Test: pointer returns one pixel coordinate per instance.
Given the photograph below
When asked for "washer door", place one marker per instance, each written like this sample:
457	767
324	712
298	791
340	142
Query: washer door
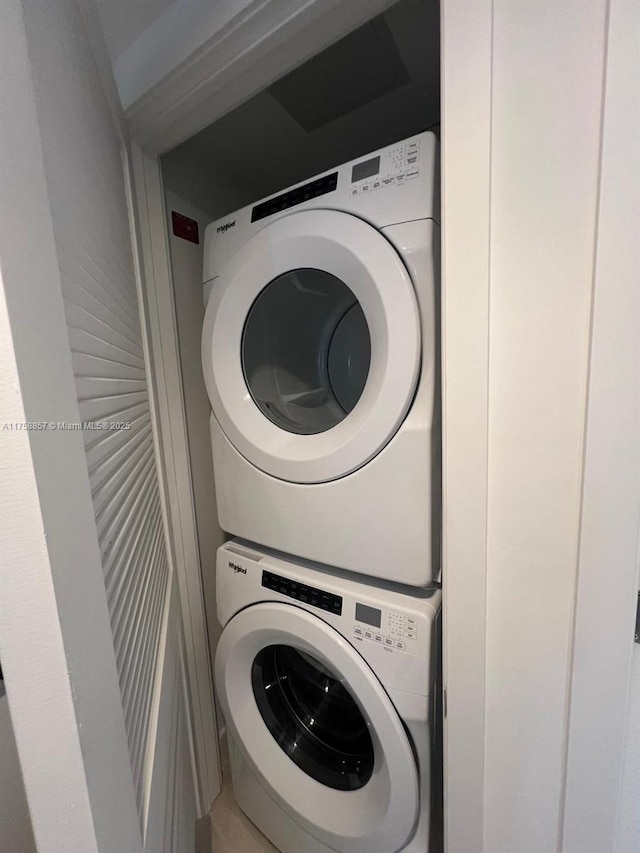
311	346
317	728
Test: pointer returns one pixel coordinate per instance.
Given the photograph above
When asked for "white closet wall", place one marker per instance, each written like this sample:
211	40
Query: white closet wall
186	265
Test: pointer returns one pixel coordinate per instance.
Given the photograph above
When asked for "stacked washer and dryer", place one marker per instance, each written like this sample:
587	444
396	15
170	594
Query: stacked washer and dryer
320	359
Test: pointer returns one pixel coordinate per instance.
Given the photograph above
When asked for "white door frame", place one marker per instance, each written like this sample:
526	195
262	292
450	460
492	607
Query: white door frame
466	49
158	320
608	567
254	52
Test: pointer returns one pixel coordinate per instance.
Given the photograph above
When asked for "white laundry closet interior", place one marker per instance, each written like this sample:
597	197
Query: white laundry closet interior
376	86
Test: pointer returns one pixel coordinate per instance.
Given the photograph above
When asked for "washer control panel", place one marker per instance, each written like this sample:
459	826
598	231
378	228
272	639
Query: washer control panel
391	168
388	629
319	598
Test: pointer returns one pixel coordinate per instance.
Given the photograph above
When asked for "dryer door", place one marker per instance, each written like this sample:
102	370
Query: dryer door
311	346
317	728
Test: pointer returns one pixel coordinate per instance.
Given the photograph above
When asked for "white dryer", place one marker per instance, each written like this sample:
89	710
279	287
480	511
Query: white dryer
320	360
327	689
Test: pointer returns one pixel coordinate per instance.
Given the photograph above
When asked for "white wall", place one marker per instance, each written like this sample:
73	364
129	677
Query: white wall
186	265
603	754
16	835
211	185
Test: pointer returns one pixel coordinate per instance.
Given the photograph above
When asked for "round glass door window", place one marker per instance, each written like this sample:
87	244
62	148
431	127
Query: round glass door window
312	717
306	351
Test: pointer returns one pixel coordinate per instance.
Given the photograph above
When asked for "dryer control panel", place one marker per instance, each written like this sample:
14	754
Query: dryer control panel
408	170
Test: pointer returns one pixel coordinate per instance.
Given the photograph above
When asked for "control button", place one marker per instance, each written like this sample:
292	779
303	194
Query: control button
400	644
378	638
365	188
358	631
412	174
411	623
355	190
376	185
388	641
413	147
388	180
413	158
368	635
400	178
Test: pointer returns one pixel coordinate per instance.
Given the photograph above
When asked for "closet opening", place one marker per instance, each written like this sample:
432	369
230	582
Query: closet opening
374	87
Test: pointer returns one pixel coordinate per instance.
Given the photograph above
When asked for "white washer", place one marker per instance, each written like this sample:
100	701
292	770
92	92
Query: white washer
319	355
327	688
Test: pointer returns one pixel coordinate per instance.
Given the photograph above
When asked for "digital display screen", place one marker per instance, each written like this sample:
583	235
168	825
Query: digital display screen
365	170
368	615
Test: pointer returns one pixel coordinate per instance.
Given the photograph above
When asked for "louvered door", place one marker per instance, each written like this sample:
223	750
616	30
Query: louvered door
85	176
105	339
